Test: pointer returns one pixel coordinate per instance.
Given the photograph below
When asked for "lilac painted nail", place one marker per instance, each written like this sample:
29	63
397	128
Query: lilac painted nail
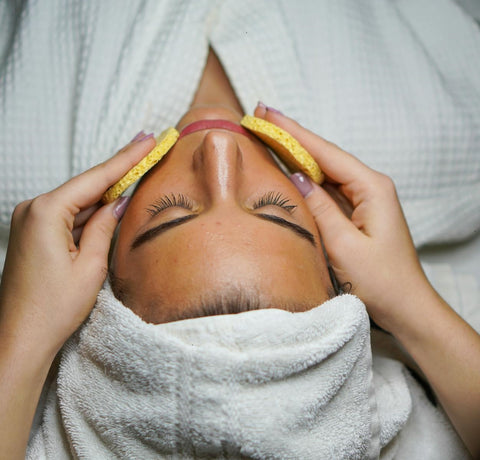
271	109
261	109
302	182
121	206
145	137
138	136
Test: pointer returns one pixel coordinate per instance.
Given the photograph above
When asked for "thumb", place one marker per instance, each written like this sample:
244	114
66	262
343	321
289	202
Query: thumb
334	227
97	235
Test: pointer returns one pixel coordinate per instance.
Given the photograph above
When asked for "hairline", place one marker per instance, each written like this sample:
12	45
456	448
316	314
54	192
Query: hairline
231	300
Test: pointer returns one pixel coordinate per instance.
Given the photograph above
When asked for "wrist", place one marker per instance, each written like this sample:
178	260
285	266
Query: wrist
420	315
398	300
24	367
26	348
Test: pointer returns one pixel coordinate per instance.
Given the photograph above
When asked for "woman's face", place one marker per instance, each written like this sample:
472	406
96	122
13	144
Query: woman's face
217	223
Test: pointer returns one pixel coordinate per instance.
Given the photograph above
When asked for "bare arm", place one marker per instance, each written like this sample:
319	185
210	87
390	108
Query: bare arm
372	248
24	368
447	349
56	263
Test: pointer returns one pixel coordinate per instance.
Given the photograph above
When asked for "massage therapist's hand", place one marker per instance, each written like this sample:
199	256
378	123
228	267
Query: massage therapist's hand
57	253
56	264
371	247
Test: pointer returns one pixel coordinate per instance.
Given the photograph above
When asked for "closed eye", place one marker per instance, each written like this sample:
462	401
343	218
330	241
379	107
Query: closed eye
274	199
170	201
181	201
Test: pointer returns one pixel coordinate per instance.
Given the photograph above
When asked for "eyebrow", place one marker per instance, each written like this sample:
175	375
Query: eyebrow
157	230
303	232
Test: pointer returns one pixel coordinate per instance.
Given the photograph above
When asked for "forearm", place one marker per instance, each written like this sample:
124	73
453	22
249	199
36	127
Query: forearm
369	245
23	370
447	350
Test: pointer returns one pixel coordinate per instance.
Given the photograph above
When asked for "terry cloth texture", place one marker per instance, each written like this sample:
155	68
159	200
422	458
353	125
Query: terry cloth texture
394	82
260	384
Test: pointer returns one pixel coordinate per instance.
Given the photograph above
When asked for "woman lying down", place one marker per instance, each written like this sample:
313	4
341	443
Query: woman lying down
219	332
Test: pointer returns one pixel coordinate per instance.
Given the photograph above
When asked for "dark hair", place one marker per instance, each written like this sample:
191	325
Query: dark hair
223	301
338	288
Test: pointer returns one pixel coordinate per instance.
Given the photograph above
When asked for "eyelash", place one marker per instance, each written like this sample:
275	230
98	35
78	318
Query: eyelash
274	199
170	201
181	201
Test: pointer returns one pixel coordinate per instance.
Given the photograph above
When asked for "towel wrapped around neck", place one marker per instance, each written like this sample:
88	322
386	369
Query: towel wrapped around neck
259	384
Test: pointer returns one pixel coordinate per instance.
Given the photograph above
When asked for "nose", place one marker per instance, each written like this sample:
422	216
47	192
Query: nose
219	161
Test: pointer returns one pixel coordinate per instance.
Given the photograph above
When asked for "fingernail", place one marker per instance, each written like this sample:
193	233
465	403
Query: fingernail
138	136
265	107
145	137
271	109
302	182
260	109
261	105
121	206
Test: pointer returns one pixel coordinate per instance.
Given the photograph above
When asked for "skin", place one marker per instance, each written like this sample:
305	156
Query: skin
227	248
68	235
370	246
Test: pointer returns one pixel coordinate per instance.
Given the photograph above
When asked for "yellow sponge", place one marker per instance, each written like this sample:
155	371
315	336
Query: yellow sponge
295	157
165	141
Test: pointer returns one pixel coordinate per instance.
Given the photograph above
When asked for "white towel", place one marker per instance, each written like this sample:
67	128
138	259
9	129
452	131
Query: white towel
260	384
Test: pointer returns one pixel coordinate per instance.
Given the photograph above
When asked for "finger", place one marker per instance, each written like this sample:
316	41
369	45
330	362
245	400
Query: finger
337	164
87	188
76	234
342	201
84	215
330	219
97	235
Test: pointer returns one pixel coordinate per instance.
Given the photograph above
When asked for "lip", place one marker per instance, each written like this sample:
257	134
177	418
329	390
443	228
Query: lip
200	125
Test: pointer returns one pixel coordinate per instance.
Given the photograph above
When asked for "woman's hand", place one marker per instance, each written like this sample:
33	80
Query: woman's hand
57	254
366	238
369	245
56	263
